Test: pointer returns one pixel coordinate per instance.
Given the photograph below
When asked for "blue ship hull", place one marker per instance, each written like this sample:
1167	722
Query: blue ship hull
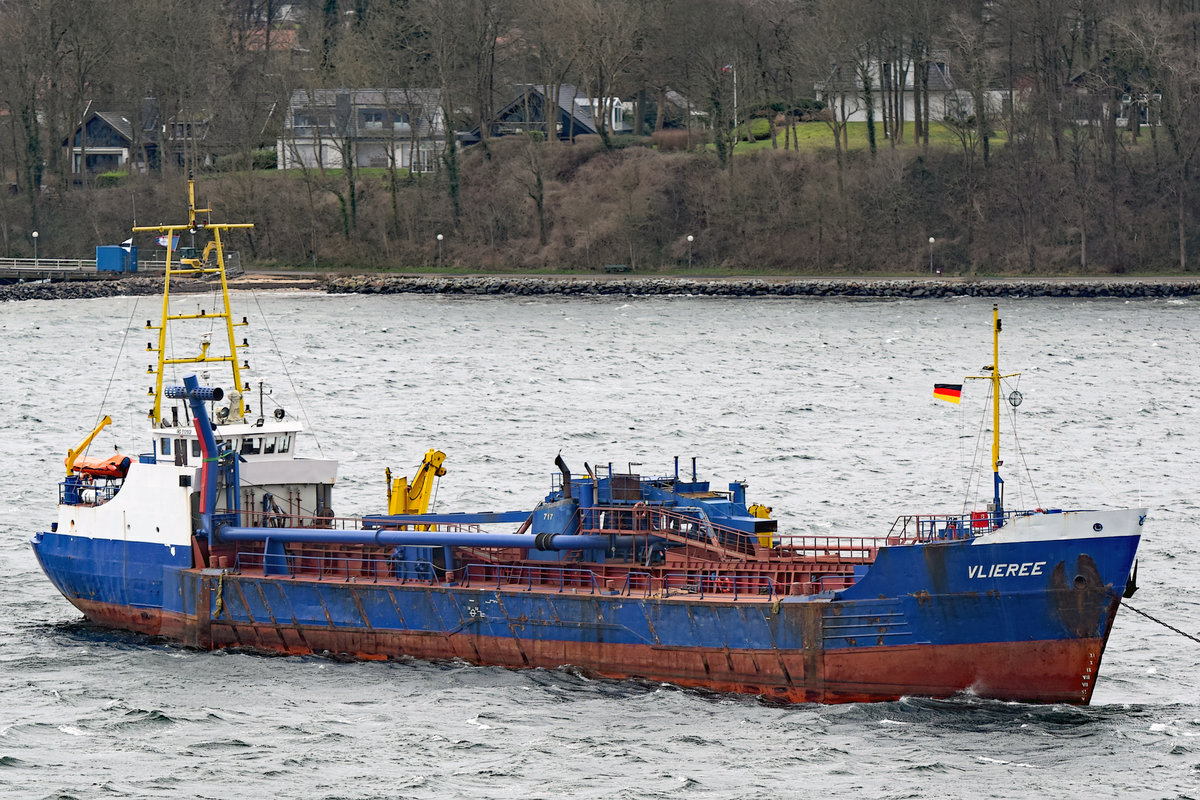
926	619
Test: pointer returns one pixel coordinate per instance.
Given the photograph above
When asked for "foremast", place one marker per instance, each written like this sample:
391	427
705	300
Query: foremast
206	264
994	375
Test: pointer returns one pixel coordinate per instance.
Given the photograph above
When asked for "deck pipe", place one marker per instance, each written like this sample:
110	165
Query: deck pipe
197	396
536	541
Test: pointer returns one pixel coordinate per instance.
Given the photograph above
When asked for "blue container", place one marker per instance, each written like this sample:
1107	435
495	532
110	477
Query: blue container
115	258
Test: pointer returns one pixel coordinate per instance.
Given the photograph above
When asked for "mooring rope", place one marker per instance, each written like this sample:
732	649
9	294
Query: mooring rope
221	597
1160	622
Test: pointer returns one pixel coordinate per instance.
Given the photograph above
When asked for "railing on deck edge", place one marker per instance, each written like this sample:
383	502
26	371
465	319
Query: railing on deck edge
635	583
504	575
327	566
345	569
282	519
87	494
663	522
942	527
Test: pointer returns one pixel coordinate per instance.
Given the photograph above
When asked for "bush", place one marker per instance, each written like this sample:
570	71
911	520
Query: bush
676	139
107	180
760	128
622	140
262	158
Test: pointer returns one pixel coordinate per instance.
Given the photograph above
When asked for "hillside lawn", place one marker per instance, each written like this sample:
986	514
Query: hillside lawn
817	136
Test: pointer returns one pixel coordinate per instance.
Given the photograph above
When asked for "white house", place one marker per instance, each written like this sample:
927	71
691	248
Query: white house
400	128
843	89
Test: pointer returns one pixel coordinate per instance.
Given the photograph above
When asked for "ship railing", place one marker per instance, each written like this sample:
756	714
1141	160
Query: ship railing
716	583
252	518
688	526
831	549
560	578
283	519
78	493
342	567
943	527
640	582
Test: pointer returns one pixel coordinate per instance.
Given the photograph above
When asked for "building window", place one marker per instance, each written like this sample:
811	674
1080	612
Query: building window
372	119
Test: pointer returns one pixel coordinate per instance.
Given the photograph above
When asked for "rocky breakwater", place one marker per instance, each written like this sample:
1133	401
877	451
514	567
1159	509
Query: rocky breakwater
75	290
144	285
758	287
526	286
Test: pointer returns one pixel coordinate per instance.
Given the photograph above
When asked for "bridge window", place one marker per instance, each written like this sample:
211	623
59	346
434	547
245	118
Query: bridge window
251	446
166	446
284	443
269	445
196	448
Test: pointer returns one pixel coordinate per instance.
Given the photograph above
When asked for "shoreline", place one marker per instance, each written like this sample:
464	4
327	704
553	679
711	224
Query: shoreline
527	286
914	288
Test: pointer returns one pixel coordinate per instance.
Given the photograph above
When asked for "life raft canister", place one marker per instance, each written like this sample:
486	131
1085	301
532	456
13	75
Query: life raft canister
114	466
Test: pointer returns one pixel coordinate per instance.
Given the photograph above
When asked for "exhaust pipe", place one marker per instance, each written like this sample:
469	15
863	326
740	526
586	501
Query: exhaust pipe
562	465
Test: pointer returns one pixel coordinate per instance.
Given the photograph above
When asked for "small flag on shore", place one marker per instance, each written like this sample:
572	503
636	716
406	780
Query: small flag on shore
950	392
162	241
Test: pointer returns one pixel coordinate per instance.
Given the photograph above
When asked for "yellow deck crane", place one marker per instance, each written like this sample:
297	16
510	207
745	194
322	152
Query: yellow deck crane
413	498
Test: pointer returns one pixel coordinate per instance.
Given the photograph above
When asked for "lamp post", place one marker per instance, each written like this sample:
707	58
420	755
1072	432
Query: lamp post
690	240
439	258
930	255
35	255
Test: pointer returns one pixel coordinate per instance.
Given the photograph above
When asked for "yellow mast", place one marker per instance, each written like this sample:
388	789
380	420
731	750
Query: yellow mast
994	375
192	267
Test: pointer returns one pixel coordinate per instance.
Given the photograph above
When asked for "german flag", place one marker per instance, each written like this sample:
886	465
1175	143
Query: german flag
950	392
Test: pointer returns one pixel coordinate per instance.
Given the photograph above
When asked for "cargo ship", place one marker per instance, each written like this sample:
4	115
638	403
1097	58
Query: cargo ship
220	535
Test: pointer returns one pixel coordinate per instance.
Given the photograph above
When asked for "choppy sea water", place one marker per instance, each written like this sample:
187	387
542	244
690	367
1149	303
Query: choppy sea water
824	406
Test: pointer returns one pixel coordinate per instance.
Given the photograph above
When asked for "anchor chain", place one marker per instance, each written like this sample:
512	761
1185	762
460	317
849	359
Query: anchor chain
1160	622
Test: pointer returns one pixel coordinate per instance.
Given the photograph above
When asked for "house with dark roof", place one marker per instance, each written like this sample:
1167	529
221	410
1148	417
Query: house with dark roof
103	142
400	128
572	111
112	140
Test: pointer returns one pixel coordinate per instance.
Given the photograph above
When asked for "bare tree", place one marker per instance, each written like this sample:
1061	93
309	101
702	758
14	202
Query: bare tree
1171	63
607	37
550	48
831	47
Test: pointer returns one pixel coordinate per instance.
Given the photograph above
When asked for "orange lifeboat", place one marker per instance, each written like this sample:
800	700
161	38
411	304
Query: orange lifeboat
114	466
